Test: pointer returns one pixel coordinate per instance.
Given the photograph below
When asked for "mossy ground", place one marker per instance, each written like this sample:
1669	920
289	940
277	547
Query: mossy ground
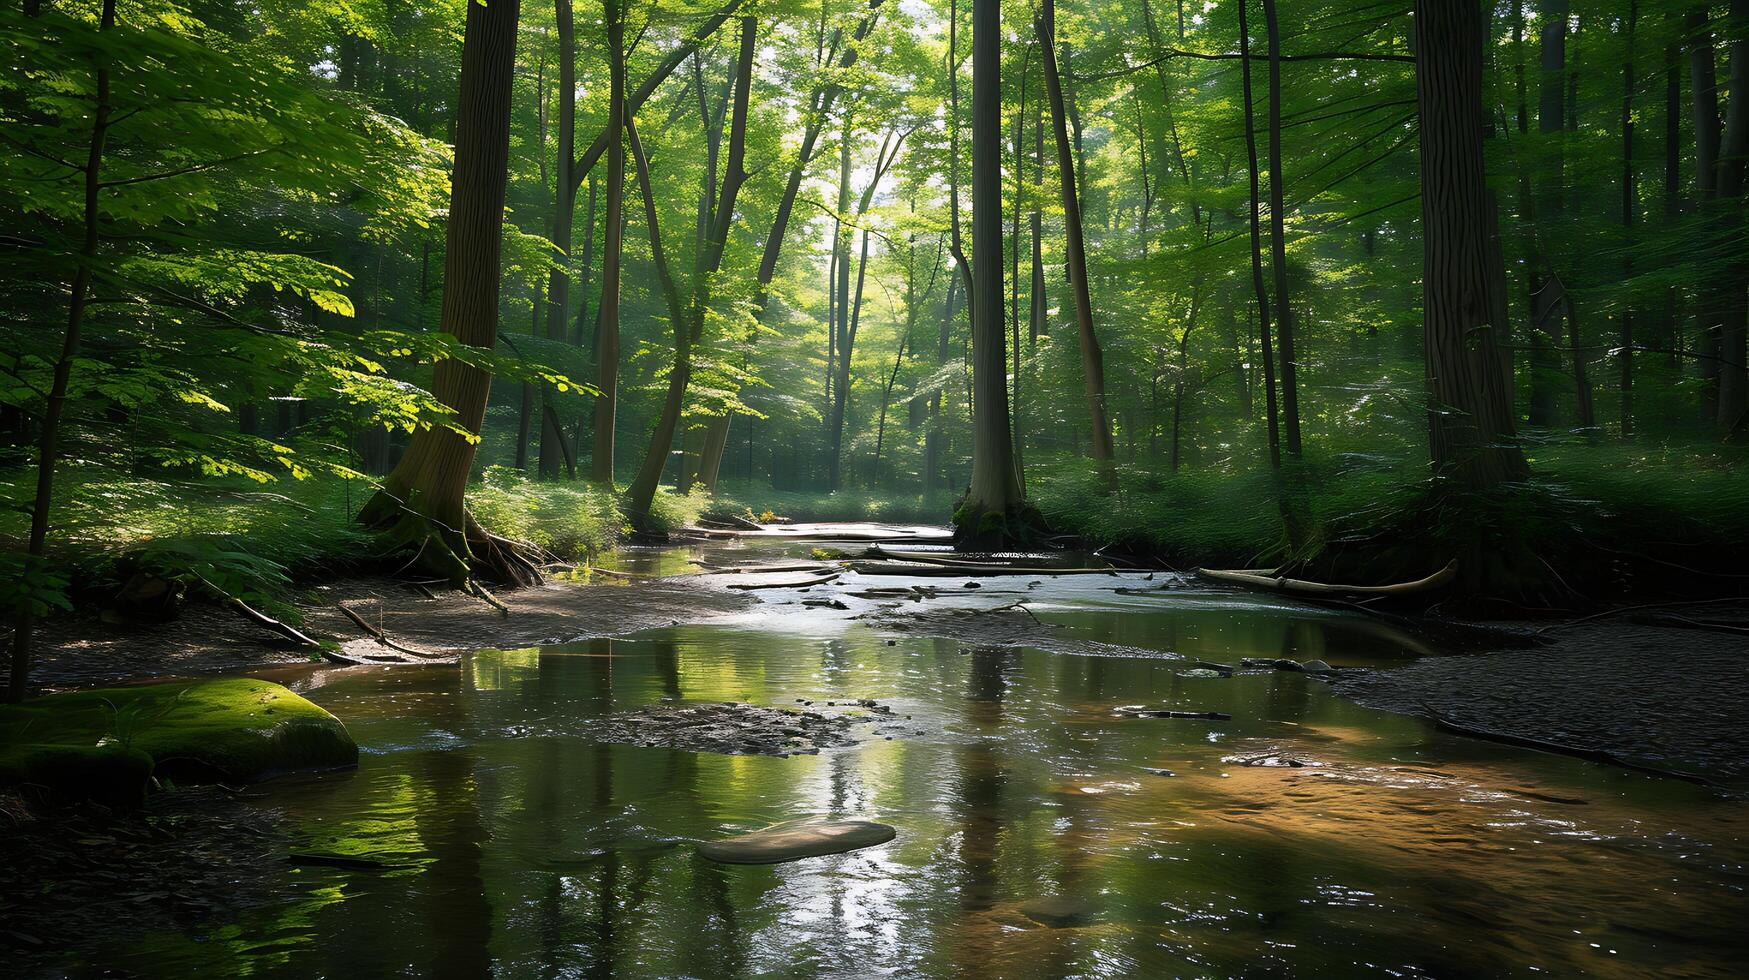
229	729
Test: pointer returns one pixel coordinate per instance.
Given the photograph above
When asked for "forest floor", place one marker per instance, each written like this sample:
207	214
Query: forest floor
83	651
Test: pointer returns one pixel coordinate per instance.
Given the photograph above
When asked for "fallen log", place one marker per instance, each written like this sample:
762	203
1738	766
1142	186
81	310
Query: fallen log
1298	586
965	571
787	583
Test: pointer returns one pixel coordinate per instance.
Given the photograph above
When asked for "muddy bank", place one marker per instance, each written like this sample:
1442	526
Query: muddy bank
81	651
1667	697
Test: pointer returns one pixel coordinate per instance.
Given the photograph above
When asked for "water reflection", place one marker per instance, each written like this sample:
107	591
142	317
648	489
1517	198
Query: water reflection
532	850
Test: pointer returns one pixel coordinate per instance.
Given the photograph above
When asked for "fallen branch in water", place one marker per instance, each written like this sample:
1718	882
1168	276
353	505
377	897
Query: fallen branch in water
803	584
380	636
267	622
965	571
1299	586
1445	724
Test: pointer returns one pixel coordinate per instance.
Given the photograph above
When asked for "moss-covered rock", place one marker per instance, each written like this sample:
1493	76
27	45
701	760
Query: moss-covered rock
231	729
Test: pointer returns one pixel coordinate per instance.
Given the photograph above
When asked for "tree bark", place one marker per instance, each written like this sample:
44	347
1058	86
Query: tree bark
994	511
1268	351
1290	392
607	331
1092	358
1628	206
1470	409
552	449
422	502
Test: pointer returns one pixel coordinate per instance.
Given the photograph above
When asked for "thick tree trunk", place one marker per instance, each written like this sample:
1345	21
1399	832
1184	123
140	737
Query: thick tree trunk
1470	408
422	502
1272	417
1075	247
1290	391
994	511
607	332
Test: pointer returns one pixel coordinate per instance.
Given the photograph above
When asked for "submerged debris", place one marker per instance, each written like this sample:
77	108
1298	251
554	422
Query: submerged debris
737	728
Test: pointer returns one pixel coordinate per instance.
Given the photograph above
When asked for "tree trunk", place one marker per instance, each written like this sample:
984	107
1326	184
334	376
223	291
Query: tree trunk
994	511
689	321
1733	302
552	450
1546	299
1628	206
1268	351
607	334
1470	412
421	504
1092	358
1290	393
49	445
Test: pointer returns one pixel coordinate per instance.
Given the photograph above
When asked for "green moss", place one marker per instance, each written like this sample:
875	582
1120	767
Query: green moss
231	728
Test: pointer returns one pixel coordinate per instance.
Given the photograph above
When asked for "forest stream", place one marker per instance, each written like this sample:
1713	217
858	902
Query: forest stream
500	820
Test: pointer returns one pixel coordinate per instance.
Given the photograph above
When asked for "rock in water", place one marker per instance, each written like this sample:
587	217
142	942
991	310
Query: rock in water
1060	911
798	839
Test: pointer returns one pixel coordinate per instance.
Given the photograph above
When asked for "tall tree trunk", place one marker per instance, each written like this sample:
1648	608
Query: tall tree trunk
994	510
607	334
1470	409
1268	353
1628	206
1014	270
1667	332
935	437
564	207
1546	300
689	321
1075	250
1036	322
49	444
1290	391
422	503
1733	288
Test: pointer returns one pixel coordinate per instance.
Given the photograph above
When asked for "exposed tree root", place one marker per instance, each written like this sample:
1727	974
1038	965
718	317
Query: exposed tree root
456	555
979	530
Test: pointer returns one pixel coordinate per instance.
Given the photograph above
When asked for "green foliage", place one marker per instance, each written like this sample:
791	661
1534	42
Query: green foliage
571	520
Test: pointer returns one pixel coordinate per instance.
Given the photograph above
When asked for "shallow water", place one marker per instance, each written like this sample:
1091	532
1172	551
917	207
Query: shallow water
528	849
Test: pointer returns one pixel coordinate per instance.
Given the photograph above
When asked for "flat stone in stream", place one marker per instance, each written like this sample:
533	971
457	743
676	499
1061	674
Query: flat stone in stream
798	839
